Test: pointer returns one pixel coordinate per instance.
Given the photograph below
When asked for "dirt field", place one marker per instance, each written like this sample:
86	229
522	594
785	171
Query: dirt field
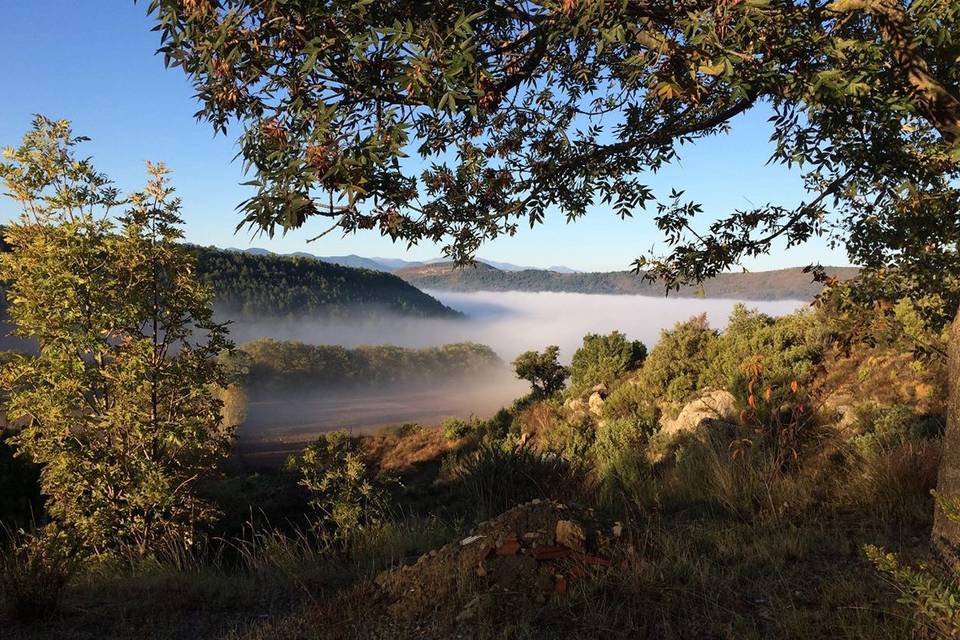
278	425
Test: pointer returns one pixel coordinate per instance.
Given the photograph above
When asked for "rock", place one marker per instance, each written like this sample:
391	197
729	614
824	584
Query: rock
600	388
575	405
617	529
711	405
596	403
571	535
470	540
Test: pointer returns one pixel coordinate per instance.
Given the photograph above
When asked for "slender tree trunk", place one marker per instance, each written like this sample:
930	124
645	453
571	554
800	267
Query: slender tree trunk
946	533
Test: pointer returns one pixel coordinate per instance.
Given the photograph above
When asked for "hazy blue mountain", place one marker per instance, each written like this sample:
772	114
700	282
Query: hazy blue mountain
393	264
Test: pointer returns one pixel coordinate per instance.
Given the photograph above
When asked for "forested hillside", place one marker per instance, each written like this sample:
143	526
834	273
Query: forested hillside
248	285
274	364
782	284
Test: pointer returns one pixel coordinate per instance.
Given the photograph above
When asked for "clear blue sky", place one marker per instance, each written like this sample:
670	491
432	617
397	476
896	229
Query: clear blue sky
93	62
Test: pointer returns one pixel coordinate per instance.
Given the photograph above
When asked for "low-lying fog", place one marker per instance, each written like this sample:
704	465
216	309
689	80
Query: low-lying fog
513	322
510	323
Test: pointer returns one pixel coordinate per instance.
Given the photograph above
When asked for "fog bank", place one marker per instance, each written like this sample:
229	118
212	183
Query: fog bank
513	322
280	423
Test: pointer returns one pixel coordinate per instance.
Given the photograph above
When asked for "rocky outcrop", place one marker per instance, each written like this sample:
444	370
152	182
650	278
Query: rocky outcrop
710	405
596	403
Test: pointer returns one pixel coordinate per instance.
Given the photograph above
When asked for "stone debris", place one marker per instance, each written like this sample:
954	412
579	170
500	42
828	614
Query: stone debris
570	534
519	559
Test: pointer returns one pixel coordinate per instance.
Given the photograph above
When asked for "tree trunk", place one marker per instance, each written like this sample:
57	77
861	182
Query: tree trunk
946	532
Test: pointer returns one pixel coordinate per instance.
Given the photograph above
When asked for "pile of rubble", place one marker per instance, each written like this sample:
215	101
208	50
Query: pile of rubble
522	558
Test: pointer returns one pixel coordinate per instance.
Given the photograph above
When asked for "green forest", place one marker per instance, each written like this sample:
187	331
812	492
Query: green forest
269	364
267	286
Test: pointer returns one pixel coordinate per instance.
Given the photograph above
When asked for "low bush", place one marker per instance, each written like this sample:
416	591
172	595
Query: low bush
342	492
493	479
604	359
34	570
456	428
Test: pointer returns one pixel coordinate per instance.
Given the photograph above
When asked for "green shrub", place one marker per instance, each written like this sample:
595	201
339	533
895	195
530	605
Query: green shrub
493	479
885	426
630	401
935	600
341	490
542	370
571	437
623	474
456	428
34	570
787	349
675	368
604	360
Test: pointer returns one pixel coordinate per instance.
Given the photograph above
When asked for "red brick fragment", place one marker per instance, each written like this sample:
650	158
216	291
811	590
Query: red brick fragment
509	547
560	585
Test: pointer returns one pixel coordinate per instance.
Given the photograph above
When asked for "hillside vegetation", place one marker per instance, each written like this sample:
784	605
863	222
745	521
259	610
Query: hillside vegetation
723	484
782	284
269	364
248	285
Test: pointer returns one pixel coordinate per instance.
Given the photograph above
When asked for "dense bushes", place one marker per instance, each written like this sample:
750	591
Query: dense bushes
676	366
343	495
604	359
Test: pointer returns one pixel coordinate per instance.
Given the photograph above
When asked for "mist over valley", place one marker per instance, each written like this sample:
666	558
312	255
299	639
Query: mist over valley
283	419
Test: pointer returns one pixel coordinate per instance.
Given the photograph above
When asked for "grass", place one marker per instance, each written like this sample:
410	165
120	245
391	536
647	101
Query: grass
717	546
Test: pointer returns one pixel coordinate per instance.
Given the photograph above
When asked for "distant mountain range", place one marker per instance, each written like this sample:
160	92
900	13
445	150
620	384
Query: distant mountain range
782	284
390	265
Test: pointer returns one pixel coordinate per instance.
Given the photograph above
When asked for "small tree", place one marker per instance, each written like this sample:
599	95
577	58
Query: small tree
604	359
119	401
542	370
342	493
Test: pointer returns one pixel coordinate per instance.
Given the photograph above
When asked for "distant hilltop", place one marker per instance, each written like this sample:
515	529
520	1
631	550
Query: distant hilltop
252	284
781	284
391	265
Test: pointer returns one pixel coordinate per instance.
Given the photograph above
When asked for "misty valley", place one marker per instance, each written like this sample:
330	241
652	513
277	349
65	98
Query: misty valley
283	416
281	357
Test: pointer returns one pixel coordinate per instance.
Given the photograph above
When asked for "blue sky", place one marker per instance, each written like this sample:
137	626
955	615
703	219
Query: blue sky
93	62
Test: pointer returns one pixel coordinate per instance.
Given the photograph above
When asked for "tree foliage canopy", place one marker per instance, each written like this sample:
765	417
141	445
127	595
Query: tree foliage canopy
517	107
117	404
603	359
542	370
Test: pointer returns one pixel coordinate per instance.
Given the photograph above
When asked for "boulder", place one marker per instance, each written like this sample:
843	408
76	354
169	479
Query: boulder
711	405
596	403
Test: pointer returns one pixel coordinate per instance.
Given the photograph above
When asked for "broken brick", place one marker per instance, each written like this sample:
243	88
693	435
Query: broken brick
509	547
